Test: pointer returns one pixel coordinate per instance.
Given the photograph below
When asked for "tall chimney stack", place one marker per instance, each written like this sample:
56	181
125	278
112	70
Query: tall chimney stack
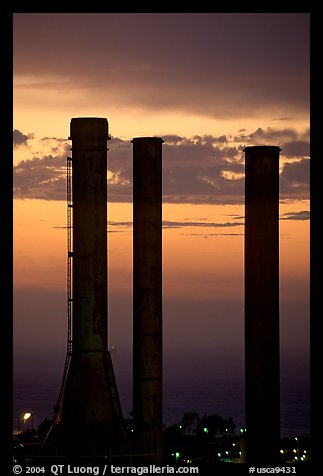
88	417
147	295
262	373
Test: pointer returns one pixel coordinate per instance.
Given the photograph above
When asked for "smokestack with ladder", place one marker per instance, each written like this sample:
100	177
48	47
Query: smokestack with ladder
147	295
262	373
88	417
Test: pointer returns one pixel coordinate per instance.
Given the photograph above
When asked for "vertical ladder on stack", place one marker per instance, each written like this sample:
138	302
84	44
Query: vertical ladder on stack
69	276
69	255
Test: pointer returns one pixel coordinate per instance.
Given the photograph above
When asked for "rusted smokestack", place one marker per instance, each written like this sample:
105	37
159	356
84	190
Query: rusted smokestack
147	295
88	418
262	375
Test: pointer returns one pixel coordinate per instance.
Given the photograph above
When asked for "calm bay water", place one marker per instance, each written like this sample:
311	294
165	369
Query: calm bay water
225	398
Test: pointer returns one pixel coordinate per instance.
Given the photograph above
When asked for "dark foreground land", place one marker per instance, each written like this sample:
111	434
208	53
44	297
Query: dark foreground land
179	449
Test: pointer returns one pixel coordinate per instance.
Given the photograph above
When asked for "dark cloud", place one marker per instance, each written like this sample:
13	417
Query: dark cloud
303	215
203	235
43	178
268	136
201	169
296	149
281	119
20	139
201	185
292	143
55	139
199	151
180	224
120	156
295	179
172	139
126	224
64	227
200	66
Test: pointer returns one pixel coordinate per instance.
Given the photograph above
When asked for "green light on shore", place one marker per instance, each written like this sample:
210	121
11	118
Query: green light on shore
206	430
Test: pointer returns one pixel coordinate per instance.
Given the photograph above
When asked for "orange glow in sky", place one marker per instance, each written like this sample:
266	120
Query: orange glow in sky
208	260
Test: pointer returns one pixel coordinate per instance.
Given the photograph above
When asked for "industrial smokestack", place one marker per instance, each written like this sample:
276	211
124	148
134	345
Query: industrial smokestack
262	375
88	417
147	295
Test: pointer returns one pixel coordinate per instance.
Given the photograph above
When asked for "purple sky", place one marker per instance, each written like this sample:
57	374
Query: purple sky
219	65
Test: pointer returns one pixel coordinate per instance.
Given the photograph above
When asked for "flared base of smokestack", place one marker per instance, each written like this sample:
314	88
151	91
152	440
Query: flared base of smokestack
94	439
88	418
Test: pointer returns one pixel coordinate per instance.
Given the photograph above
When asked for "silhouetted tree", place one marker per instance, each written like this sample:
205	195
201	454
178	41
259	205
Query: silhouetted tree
189	422
207	426
214	425
173	431
230	426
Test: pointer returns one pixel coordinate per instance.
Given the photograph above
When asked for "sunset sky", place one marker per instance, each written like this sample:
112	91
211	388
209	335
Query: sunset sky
208	84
